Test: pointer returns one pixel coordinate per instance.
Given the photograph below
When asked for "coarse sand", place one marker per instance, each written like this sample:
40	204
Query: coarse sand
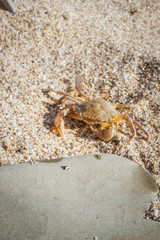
45	44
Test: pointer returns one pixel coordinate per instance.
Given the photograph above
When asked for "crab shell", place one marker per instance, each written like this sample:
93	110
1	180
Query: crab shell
98	111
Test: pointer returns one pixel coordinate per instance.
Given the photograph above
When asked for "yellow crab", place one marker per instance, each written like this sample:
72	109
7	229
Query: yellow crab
100	114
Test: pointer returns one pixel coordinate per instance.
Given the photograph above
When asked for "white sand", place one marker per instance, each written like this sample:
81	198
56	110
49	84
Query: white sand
46	43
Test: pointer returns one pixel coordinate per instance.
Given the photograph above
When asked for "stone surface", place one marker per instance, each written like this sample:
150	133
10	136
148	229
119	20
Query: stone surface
82	197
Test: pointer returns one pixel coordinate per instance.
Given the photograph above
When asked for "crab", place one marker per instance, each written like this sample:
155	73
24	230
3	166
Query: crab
101	116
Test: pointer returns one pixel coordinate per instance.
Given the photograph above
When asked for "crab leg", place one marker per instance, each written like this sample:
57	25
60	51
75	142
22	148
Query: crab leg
142	129
66	97
122	118
124	106
131	124
78	87
132	127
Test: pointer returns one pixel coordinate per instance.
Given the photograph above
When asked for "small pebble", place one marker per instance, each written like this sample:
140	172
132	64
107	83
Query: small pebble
97	156
65	167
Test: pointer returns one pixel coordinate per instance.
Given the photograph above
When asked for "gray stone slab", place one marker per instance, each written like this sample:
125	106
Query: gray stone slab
96	198
9	5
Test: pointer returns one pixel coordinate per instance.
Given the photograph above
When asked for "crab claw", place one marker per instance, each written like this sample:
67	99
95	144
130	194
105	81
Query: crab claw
105	134
78	87
59	124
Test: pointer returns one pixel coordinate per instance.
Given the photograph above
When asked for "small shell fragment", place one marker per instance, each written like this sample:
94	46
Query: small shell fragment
65	167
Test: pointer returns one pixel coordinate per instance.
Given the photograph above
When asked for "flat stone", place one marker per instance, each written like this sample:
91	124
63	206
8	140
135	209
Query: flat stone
86	197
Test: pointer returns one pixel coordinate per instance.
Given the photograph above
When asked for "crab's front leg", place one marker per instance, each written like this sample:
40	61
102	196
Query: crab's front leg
106	134
66	101
59	122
